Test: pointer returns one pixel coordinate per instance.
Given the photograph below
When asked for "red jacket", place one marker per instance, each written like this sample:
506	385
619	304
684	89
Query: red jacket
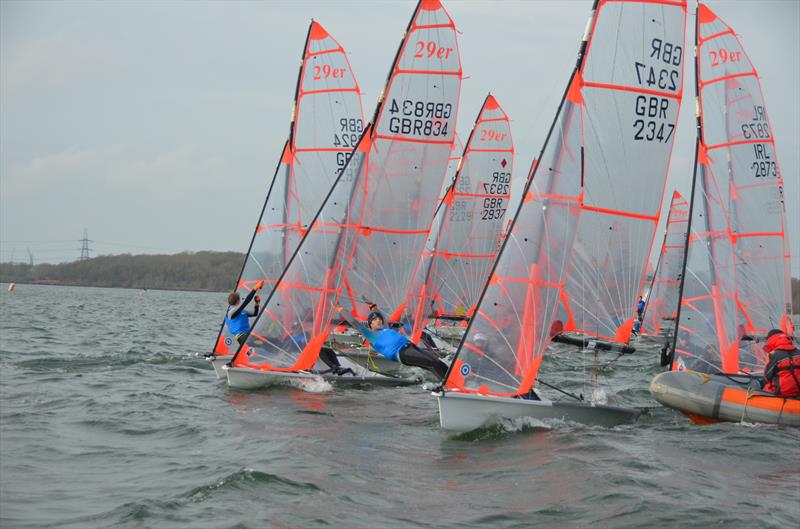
782	374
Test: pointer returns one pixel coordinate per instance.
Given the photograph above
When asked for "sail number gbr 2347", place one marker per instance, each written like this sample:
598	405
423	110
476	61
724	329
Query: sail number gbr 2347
660	71
419	118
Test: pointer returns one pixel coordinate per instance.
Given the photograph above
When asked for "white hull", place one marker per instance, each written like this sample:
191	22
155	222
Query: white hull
248	378
464	412
382	365
218	362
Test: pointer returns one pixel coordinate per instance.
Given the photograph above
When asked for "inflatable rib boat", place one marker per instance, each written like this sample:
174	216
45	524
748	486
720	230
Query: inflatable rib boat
708	399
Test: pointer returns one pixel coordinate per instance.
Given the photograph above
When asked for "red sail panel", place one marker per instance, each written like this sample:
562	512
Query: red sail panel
380	209
624	183
662	301
737	270
327	121
511	329
455	268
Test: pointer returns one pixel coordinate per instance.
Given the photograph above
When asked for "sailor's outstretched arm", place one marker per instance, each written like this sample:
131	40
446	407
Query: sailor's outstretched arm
355	324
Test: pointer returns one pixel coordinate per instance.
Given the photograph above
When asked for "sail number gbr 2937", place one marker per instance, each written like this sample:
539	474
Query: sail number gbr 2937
660	71
419	118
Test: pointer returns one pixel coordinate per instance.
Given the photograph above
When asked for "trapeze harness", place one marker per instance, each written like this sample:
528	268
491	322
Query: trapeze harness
782	373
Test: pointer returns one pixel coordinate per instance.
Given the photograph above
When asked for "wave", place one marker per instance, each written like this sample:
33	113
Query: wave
181	509
132	357
245	480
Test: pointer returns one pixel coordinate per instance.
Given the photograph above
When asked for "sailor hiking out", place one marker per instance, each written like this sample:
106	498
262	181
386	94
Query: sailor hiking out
393	345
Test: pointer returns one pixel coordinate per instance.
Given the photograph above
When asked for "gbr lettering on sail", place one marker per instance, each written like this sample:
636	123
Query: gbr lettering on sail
661	71
418	114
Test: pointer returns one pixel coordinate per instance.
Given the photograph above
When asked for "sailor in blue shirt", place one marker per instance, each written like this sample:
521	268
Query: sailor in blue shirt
640	308
237	318
394	346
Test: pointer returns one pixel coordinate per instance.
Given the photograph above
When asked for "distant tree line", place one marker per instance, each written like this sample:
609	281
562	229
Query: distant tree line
206	271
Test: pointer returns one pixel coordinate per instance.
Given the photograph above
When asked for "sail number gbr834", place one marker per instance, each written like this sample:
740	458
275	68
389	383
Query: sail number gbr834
419	118
663	74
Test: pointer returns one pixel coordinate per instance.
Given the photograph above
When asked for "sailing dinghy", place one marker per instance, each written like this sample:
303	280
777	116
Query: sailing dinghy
463	243
378	212
735	284
662	299
327	121
614	120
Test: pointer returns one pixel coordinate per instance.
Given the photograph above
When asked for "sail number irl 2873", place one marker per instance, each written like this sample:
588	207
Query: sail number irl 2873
419	118
660	71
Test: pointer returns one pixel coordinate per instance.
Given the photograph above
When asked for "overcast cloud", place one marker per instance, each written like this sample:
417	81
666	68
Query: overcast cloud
157	125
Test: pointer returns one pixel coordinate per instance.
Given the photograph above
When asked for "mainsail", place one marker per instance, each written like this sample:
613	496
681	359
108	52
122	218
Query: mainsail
612	122
380	209
327	121
462	247
736	279
662	300
621	201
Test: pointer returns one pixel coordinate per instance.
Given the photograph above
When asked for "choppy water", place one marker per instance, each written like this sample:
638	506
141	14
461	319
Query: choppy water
109	419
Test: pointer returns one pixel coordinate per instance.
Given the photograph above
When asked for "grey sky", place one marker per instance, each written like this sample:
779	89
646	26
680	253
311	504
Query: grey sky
157	125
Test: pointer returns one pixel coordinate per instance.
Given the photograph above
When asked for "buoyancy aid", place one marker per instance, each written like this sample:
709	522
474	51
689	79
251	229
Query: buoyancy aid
783	369
238	325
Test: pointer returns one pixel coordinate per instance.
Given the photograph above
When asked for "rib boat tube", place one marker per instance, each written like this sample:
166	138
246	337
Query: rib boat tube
464	412
708	399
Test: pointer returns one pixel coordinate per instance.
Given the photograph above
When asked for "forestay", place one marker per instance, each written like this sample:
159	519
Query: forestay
592	143
662	301
458	255
736	281
636	72
327	121
380	209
